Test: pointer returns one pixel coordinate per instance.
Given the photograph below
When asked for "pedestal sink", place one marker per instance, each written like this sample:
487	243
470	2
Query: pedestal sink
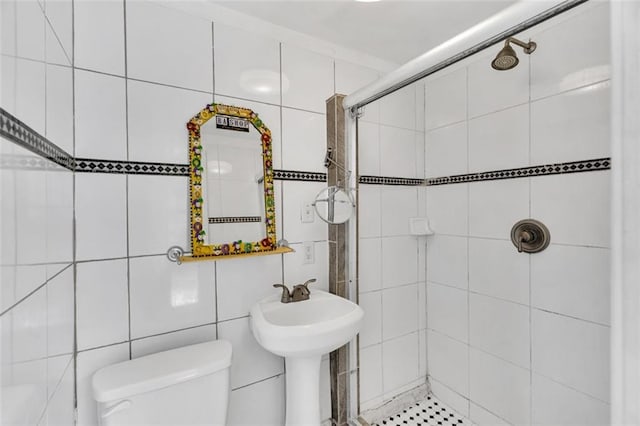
302	332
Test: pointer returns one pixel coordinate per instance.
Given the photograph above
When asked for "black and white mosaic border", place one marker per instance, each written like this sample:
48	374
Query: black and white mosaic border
24	136
299	176
541	170
88	165
385	180
234	219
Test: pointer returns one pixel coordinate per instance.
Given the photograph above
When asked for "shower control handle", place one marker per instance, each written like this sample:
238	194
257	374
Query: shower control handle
530	236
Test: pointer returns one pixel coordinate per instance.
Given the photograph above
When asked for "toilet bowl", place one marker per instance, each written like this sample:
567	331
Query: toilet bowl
184	386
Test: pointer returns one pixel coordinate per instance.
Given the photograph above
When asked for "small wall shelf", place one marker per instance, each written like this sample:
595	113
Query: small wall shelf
189	258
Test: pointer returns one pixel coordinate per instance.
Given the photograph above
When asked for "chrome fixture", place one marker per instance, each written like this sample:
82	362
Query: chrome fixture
175	254
298	293
530	236
507	59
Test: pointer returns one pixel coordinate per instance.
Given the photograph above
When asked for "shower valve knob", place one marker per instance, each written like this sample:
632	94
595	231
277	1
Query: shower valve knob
530	236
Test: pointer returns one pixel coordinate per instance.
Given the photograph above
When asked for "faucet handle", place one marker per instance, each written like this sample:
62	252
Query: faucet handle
286	294
306	283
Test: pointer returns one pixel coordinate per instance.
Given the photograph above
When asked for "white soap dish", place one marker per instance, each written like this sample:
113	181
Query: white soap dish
419	226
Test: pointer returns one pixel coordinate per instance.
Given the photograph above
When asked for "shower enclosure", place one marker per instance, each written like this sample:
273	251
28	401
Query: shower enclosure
500	336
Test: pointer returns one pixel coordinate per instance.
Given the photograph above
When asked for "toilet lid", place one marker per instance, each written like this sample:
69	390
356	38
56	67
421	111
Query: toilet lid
160	370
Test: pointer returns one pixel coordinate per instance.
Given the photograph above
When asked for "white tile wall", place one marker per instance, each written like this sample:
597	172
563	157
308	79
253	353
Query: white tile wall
448	361
370	259
572	68
176	339
99	36
447	260
59	120
565	349
447	209
110	141
447	311
255	73
399	261
307	79
168	47
399	311
267	405
371	332
102	303
157	202
371	372
496	205
560	203
446	99
242	282
304	140
500	328
497	269
560	273
446	150
398	205
101	216
499	140
553	403
250	363
501	387
573	125
398	152
158	117
399	362
167	297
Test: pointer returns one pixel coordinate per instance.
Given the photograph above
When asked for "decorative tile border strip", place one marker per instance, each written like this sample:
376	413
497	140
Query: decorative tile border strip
234	219
384	180
24	136
88	165
542	170
29	162
299	176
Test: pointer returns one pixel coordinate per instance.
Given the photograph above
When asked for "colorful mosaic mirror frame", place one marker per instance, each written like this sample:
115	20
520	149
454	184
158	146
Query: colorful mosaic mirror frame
196	170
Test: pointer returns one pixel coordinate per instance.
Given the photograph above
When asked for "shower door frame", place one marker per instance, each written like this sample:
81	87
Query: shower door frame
625	204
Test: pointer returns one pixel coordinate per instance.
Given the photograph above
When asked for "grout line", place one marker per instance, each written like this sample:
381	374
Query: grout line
32	292
126	201
468	196
256	382
450	286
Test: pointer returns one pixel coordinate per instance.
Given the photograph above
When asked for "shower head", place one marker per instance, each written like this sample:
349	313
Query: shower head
507	59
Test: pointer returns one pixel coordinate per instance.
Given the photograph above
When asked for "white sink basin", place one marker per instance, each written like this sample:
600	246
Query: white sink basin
302	332
310	327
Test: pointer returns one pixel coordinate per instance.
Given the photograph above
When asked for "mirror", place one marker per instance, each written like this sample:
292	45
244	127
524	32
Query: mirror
231	183
334	205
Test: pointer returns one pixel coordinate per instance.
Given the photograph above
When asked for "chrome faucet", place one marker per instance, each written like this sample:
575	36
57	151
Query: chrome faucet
298	293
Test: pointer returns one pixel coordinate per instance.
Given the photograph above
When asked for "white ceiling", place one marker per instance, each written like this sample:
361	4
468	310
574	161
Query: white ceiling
393	30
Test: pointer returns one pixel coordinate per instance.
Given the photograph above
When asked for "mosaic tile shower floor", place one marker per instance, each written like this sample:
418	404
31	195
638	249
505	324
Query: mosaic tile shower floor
430	412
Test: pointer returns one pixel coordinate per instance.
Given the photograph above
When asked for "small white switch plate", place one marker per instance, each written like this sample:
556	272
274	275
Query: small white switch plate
307	215
308	249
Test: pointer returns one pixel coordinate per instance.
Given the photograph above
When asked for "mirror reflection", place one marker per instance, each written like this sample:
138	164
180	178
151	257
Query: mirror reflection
234	199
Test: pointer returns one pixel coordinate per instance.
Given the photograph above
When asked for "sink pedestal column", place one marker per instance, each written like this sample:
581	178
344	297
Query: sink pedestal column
303	391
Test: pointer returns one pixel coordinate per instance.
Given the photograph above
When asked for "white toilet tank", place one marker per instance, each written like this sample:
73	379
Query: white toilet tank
184	386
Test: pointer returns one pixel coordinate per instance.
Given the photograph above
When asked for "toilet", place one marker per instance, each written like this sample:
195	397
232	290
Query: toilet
184	386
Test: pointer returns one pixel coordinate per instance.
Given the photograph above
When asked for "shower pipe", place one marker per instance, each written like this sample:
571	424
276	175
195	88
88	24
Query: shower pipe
491	31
